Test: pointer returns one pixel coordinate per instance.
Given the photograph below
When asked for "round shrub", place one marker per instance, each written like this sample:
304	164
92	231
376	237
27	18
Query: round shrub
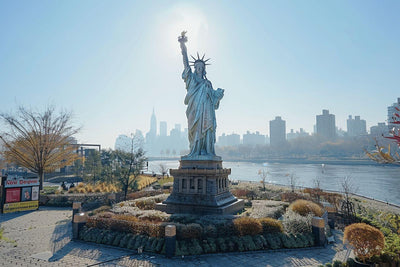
366	240
270	225
296	224
247	226
304	207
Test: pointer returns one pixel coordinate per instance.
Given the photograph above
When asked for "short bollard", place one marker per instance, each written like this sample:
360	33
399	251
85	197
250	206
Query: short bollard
170	239
318	230
76	207
78	222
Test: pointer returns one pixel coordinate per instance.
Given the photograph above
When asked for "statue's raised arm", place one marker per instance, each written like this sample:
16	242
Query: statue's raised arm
182	40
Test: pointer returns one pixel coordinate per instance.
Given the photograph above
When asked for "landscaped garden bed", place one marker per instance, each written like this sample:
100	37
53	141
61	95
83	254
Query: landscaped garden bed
135	224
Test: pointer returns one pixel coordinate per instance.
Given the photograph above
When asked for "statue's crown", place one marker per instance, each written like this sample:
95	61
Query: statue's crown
199	60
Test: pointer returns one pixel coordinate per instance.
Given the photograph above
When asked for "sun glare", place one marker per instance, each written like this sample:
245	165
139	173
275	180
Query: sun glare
186	18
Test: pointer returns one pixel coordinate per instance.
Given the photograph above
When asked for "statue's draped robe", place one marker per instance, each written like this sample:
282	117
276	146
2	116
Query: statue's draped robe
202	101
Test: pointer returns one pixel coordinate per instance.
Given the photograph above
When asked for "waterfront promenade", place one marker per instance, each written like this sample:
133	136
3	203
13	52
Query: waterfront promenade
43	238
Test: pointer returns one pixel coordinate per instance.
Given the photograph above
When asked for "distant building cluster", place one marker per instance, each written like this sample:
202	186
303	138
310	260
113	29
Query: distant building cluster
160	144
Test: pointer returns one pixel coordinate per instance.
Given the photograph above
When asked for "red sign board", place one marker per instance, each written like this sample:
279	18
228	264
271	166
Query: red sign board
13	195
20	182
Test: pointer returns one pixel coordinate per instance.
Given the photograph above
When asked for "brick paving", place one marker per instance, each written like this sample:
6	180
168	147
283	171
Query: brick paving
43	238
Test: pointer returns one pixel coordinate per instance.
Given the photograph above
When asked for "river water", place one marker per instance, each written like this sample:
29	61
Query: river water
376	181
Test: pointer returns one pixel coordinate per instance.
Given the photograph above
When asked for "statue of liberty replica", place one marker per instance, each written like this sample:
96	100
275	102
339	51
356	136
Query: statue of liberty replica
201	185
202	101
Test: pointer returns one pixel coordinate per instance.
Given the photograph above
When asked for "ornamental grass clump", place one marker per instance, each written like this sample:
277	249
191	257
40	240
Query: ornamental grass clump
367	240
270	225
304	207
247	226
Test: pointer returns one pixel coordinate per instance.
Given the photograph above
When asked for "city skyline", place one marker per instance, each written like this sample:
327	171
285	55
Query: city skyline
112	63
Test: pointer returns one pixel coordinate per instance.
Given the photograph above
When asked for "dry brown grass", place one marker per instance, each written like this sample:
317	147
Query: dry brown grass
304	207
247	226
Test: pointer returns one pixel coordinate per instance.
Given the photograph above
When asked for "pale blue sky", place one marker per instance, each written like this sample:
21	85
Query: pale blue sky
111	62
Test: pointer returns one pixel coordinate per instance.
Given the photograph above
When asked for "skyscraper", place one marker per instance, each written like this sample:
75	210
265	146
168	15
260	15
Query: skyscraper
356	126
326	125
153	125
392	111
163	128
277	131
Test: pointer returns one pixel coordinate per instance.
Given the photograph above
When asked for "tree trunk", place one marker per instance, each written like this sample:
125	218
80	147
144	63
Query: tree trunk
41	179
125	192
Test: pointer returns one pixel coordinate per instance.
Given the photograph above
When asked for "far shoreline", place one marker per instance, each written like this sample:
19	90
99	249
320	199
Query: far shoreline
291	161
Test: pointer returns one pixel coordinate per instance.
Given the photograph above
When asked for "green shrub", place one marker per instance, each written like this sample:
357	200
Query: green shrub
230	244
274	242
304	207
337	263
108	237
258	242
247	226
248	243
183	247
117	239
224	229
131	242
221	244
148	247
287	241
301	241
206	247
211	243
270	225
210	231
238	243
178	251
124	240
194	247
350	262
160	244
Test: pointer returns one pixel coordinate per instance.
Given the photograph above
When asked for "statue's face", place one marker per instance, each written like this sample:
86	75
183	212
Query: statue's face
199	68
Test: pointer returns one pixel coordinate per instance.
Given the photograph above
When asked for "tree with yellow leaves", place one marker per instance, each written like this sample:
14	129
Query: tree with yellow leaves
366	240
39	141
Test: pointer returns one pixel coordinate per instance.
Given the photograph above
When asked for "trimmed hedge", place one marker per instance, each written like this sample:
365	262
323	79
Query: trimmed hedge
197	246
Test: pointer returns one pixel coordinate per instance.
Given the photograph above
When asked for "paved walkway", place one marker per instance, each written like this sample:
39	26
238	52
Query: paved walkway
43	238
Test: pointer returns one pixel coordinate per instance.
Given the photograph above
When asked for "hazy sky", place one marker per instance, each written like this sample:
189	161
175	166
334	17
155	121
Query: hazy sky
111	62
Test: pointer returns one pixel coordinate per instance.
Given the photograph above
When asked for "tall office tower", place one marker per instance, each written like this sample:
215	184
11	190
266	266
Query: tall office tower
277	131
356	126
326	125
392	115
163	128
153	125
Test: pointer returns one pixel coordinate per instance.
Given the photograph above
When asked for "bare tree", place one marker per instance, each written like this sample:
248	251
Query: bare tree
347	206
39	141
263	175
292	181
129	165
163	169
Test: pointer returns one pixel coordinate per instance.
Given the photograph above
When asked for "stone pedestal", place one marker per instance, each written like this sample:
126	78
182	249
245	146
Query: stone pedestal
201	186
